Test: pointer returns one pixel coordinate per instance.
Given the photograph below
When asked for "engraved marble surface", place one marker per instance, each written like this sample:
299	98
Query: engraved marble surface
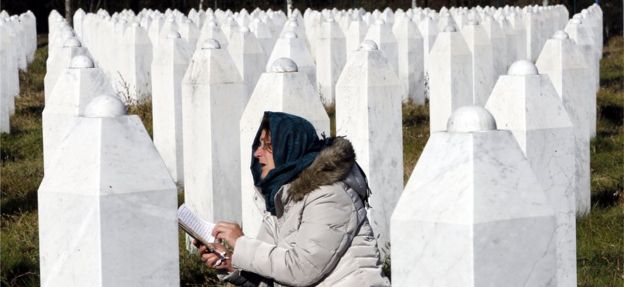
473	214
531	109
106	194
368	113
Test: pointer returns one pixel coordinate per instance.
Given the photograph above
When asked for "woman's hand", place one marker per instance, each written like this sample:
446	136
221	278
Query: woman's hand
210	255
227	231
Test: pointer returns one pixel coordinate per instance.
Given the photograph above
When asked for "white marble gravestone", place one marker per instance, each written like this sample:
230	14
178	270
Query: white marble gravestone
527	104
248	56
355	35
483	76
381	33
473	212
562	60
263	34
211	30
330	59
498	41
107	206
135	79
56	64
368	113
429	31
580	35
283	89
75	88
213	99
410	55
168	68
294	48
450	77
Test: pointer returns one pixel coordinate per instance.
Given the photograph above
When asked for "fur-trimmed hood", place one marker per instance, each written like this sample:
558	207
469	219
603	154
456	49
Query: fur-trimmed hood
333	164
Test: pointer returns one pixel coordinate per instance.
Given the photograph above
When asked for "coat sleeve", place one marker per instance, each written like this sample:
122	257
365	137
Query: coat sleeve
328	221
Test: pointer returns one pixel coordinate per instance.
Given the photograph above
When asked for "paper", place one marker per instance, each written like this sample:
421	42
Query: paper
193	225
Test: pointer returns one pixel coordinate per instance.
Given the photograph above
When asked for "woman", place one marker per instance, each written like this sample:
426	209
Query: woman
315	230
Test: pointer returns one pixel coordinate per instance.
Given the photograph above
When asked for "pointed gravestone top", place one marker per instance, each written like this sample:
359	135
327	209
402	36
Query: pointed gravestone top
284	65
81	62
369	45
211	44
72	43
522	68
471	119
105	106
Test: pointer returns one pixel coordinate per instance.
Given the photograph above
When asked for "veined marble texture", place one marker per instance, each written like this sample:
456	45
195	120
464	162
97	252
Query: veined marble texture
473	214
531	109
368	113
381	33
281	90
330	59
450	78
410	55
105	196
75	88
168	68
213	99
562	60
248	56
292	47
483	76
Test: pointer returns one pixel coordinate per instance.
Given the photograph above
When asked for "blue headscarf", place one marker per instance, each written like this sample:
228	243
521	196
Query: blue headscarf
295	146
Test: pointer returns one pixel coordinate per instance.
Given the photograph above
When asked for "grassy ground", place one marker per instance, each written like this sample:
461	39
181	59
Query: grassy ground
600	236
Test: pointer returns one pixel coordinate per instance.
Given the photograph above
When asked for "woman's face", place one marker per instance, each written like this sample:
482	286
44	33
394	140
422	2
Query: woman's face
264	153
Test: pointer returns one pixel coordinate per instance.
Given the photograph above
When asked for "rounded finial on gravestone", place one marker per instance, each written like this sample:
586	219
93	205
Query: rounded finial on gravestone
72	42
244	29
380	22
211	44
450	28
290	35
575	21
292	23
212	24
284	65
470	119
522	68
105	106
173	35
369	45
561	35
81	62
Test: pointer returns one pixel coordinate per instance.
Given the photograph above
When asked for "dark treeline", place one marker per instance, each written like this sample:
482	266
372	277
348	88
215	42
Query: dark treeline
41	8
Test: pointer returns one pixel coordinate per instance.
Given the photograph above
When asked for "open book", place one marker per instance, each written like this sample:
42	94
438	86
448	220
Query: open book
195	227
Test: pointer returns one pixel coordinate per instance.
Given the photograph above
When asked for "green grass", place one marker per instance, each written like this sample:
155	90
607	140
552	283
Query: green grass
600	236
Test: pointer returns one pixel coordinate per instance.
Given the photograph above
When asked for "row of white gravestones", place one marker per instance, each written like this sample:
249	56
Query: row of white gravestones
93	231
473	212
18	42
527	104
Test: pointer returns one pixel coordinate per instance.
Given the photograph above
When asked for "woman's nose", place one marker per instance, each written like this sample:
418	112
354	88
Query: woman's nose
258	152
